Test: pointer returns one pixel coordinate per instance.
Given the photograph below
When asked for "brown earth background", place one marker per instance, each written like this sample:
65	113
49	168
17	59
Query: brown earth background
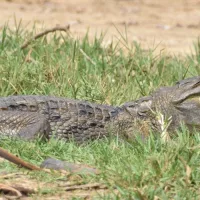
167	25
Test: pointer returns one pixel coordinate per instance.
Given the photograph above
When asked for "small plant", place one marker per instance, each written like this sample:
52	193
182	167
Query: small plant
164	124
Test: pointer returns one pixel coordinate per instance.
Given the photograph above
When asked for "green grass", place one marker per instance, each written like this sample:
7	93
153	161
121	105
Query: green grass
83	69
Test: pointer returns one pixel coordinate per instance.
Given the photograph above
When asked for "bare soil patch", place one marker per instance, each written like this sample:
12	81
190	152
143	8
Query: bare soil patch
173	26
22	186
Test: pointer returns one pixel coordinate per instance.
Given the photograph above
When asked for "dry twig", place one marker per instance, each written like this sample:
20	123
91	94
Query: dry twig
14	159
10	189
88	186
57	28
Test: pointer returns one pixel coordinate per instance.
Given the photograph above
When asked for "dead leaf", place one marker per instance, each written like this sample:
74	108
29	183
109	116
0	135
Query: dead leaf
156	198
188	169
28	57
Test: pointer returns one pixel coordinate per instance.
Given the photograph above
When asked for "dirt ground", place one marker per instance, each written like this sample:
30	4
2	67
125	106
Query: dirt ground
172	25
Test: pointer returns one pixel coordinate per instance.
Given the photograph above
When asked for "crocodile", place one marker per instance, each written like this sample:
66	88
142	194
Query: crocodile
31	116
46	116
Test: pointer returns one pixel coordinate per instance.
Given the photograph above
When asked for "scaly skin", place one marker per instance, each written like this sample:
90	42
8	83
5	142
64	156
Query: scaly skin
180	102
66	118
26	116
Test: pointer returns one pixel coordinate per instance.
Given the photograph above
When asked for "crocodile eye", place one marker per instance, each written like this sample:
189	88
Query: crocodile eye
142	113
132	106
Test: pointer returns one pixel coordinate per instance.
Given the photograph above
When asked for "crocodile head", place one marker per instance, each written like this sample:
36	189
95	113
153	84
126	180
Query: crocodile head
176	105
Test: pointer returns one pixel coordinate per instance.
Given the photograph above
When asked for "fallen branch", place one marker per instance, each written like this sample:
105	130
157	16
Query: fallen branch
9	189
14	159
88	186
57	28
15	191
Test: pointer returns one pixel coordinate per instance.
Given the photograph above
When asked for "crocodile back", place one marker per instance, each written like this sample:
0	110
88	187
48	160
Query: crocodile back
68	118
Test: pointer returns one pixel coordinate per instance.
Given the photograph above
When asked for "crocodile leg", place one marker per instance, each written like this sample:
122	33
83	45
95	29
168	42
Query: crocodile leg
26	125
